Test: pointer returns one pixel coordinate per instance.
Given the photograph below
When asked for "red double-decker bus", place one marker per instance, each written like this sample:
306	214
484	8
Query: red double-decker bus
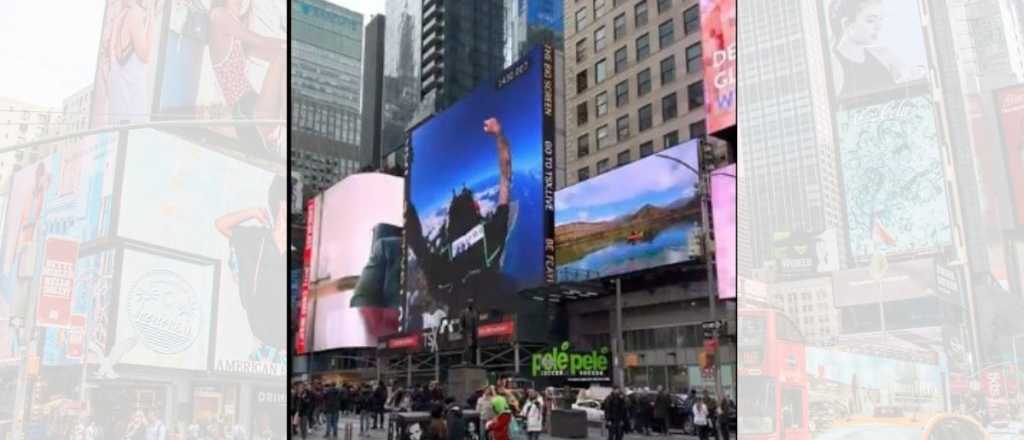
772	377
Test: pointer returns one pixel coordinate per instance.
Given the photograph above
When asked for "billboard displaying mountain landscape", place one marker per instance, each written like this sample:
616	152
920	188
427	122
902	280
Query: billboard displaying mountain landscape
636	217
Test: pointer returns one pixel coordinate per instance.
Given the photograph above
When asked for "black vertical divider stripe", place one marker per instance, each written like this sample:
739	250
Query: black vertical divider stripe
548	103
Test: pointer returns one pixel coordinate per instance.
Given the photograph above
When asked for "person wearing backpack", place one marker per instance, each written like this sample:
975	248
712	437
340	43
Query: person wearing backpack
438	428
498	427
534	413
700	418
456	422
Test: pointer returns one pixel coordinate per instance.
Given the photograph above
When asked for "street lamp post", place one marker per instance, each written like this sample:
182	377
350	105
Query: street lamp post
703	185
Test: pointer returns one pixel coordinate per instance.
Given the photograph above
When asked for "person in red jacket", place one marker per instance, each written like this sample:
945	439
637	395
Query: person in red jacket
497	427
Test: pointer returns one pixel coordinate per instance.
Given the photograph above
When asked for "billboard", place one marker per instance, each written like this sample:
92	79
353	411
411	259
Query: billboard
899	204
219	63
636	217
61	199
723	216
127	62
359	259
1010	105
874	46
223	209
718	44
480	192
871	382
89	335
308	268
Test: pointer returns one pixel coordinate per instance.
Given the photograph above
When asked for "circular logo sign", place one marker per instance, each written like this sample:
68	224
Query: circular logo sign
164	310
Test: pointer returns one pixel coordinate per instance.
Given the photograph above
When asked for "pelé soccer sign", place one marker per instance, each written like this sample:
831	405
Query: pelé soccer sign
561	362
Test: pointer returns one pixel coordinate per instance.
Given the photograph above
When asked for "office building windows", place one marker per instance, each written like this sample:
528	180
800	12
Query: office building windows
640	14
644	118
691	20
583	174
602	166
668	107
643	47
581	81
697	129
666	34
581	114
599	40
581	19
599	8
646	149
664	5
668	69
623	158
670	139
602	137
621	56
622	128
601	104
619	26
693	62
643	82
581	50
600	72
695	95
582	146
622	93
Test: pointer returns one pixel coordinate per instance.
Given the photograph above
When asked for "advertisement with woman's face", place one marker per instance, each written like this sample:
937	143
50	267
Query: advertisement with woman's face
127	60
874	45
225	59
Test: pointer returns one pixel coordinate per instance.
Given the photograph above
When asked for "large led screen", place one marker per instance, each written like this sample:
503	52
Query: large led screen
359	260
226	62
1010	103
874	46
480	190
227	210
897	204
64	197
718	43
723	210
637	217
126	65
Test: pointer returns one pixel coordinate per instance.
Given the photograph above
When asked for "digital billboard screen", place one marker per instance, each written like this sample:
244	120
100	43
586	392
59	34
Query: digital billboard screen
480	195
723	216
718	43
127	61
899	204
1010	104
639	216
221	62
221	208
356	286
874	46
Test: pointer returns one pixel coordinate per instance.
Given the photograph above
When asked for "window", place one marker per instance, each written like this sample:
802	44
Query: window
582	146
622	128
691	19
664	5
602	137
620	59
644	117
600	42
697	130
668	70
670	139
622	93
581	114
581	81
598	8
602	166
666	34
646	149
643	48
693	63
639	13
581	50
623	158
600	73
695	94
581	19
643	82
668	107
619	26
583	173
601	104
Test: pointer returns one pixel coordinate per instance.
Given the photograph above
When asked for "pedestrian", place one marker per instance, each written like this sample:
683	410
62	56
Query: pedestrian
305	410
455	420
364	405
380	396
155	429
700	418
533	411
438	429
725	408
436	393
712	414
136	429
332	404
616	413
662	406
645	413
497	427
485	408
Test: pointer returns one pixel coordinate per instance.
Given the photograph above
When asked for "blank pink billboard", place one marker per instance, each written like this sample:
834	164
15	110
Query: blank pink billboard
718	44
723	210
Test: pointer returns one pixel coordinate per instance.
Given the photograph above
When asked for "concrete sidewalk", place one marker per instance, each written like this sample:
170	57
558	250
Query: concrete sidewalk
595	433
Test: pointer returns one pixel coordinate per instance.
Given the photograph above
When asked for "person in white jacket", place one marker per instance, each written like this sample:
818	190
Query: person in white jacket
700	418
534	412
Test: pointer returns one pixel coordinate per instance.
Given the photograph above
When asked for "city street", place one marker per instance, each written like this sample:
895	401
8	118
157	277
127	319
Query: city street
381	434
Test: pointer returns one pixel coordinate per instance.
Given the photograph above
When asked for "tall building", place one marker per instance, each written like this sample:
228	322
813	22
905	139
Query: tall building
401	91
789	166
462	45
633	81
76	110
326	62
529	23
373	84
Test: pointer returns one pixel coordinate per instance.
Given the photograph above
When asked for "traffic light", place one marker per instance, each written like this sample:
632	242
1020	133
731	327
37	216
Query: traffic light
705	359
